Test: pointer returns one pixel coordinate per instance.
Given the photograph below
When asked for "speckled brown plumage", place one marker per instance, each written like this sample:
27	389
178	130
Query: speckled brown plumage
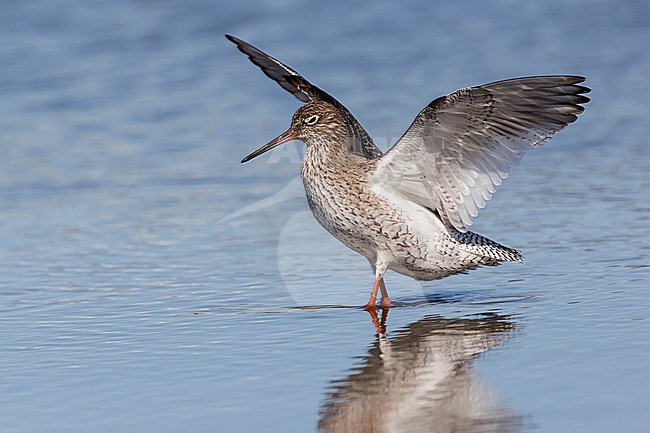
409	210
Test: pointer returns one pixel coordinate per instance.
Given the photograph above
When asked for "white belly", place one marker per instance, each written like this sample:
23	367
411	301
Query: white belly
410	238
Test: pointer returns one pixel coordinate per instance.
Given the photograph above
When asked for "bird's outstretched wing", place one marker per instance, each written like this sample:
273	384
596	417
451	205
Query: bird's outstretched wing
290	80
359	142
462	146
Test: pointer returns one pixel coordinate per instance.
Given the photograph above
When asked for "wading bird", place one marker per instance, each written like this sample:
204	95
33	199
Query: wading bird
410	209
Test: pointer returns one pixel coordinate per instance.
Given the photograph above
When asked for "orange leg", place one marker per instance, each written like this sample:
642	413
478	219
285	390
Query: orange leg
372	302
385	300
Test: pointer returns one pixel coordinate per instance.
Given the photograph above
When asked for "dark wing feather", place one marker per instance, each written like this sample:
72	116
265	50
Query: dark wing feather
290	80
360	142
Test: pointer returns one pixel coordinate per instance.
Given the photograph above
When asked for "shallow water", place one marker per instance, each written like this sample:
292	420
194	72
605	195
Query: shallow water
152	283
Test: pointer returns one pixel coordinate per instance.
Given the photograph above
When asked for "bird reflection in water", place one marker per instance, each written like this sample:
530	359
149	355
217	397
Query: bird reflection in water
422	380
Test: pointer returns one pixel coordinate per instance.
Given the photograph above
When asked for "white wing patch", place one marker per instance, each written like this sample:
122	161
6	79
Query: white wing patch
462	146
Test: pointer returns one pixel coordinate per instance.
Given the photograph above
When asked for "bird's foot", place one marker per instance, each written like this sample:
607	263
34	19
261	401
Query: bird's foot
370	307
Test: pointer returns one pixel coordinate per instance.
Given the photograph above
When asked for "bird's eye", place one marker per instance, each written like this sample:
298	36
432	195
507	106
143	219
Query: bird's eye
311	120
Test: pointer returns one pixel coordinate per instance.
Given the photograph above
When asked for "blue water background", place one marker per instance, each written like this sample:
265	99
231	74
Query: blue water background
127	304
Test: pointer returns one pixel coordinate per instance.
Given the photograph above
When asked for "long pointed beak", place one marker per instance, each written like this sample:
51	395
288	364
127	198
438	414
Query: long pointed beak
282	138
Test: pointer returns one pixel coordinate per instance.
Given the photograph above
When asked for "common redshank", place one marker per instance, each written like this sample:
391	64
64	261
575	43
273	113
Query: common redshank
410	209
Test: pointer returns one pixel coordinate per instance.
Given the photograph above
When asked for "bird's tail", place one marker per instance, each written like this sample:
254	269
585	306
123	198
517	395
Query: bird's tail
482	246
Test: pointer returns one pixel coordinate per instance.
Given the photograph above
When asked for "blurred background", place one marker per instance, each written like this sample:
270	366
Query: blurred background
150	282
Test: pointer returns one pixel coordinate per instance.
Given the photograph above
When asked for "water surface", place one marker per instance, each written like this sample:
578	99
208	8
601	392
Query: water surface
149	282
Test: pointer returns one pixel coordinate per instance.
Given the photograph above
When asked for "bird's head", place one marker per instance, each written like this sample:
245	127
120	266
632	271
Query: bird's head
314	124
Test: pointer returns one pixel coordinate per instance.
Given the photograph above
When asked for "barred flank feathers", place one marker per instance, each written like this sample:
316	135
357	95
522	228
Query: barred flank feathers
482	246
